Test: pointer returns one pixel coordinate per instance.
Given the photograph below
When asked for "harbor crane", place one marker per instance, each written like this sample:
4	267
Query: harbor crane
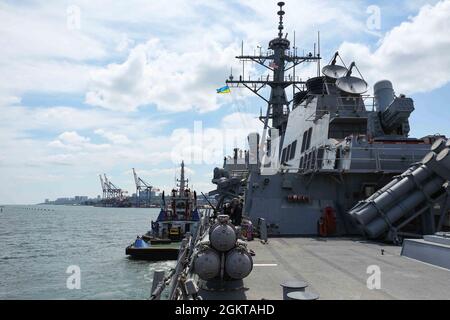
104	187
142	188
110	190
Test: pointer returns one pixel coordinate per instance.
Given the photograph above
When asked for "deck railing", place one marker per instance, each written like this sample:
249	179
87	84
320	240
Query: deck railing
180	278
383	159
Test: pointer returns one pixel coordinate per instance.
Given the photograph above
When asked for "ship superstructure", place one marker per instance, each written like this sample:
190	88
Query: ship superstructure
329	147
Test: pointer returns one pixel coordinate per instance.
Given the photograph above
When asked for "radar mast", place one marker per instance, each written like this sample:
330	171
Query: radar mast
278	60
183	182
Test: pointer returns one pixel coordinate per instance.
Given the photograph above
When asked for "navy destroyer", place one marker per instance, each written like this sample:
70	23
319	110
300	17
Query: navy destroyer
332	185
329	147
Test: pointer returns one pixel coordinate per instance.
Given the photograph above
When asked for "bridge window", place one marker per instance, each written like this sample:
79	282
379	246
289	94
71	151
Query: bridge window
340	128
305	135
283	155
308	141
293	147
288	153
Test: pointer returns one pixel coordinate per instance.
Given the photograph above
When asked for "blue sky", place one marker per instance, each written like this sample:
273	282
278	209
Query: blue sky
89	87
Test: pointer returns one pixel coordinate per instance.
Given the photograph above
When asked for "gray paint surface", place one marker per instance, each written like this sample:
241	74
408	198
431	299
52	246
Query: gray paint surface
332	147
337	269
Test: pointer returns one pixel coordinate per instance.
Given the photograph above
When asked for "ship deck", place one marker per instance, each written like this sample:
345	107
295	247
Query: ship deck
336	268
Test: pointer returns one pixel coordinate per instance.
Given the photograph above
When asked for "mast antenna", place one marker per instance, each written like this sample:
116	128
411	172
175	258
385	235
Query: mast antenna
281	14
278	60
318	53
293	71
243	62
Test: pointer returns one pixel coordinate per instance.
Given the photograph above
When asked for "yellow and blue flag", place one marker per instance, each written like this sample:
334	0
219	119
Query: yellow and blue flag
225	89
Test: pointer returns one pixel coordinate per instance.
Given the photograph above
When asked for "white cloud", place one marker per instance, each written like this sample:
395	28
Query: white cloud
113	137
19	119
305	17
124	43
9	100
208	146
244	122
29	75
40	54
40	31
72	141
71	137
69	148
183	73
413	55
170	80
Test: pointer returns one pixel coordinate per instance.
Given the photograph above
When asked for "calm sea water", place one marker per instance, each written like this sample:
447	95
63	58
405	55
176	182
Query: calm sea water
39	243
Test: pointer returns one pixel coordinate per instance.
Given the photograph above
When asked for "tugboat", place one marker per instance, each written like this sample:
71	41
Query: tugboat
178	216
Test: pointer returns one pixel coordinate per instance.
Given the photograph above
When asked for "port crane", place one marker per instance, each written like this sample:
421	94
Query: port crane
104	187
142	187
110	190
